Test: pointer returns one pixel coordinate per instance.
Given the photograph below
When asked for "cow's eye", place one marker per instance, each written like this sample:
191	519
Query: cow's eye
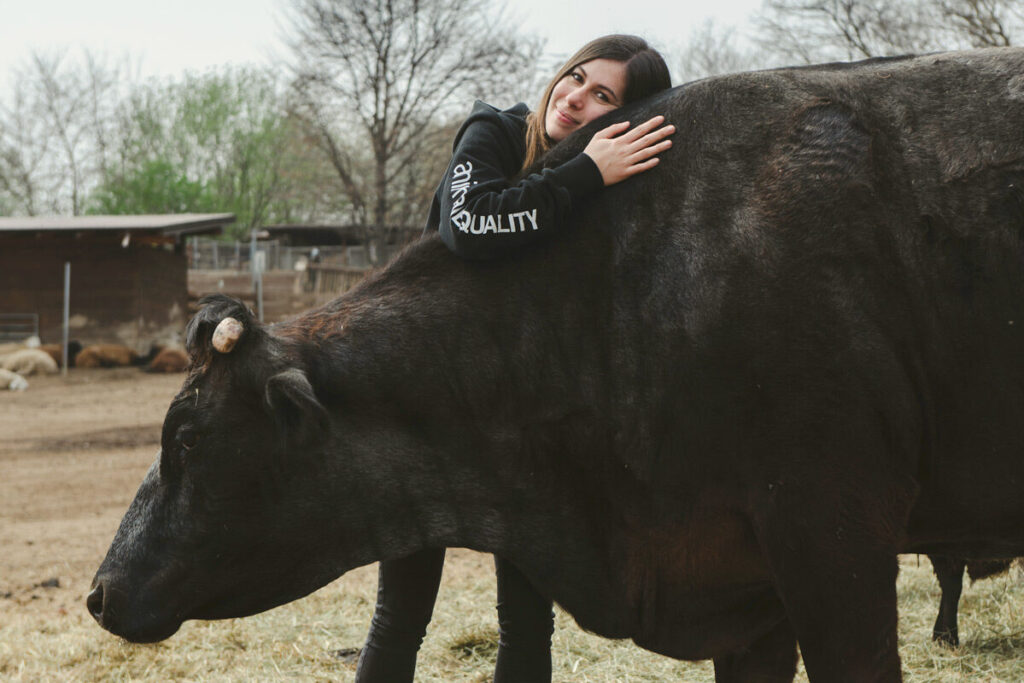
188	438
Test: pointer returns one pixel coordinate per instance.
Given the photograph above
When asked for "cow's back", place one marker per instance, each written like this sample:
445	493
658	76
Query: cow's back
829	244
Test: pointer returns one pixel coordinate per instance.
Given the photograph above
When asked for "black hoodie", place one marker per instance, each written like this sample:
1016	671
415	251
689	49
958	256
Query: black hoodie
479	212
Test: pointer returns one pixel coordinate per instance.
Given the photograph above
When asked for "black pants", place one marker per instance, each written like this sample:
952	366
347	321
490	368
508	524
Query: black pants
406	590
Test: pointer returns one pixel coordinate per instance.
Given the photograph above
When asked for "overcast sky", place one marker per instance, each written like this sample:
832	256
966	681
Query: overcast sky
166	38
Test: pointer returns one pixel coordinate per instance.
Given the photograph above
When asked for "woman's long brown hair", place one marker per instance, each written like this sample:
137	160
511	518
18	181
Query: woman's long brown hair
646	74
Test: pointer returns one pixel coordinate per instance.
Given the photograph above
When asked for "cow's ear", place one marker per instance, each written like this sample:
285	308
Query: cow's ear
295	408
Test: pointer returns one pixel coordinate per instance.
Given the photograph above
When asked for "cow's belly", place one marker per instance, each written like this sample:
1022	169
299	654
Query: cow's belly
714	622
971	507
700	590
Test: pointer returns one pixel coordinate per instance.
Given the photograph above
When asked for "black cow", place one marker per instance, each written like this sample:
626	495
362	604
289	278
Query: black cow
950	573
707	417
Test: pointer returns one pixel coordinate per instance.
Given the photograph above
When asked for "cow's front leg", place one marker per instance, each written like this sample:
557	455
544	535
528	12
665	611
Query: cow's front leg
832	553
771	659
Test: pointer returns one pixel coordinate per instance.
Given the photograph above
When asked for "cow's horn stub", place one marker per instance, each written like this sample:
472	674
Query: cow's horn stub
227	334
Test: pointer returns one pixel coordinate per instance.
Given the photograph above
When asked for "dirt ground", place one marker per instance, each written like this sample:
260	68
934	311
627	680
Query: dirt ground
72	452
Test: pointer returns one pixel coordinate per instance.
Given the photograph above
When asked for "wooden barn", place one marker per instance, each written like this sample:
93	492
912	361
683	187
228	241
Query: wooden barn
128	275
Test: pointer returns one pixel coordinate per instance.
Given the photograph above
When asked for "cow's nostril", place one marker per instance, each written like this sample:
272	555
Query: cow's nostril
95	602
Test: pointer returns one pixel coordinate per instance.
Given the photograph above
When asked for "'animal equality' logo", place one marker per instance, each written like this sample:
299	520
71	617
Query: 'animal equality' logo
464	221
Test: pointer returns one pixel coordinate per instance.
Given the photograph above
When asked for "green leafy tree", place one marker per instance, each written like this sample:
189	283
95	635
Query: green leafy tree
218	141
153	187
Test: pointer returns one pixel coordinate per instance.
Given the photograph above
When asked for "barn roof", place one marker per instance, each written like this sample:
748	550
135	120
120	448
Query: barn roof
165	224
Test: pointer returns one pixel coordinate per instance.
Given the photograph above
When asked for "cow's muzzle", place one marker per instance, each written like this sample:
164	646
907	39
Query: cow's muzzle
111	610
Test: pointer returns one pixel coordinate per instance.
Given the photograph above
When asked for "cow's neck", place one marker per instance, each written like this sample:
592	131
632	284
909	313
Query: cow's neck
473	398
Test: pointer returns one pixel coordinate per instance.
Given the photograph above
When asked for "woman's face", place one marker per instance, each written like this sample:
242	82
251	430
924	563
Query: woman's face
588	91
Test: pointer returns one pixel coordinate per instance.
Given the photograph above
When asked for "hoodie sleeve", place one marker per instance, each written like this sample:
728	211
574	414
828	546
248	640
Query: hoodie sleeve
484	215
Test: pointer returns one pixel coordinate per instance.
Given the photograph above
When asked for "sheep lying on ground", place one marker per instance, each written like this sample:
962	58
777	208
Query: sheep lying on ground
168	360
12	381
56	352
29	362
10	347
111	356
27	343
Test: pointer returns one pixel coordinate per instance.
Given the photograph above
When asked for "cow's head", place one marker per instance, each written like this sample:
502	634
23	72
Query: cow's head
221	523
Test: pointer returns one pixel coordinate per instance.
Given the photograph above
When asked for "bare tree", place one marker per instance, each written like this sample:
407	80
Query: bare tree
55	130
24	151
819	30
712	49
986	23
379	82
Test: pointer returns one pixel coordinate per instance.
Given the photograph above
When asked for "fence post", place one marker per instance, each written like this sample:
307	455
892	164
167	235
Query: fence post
67	317
257	274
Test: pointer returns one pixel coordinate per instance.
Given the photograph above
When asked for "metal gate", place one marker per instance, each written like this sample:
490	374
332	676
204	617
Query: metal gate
15	327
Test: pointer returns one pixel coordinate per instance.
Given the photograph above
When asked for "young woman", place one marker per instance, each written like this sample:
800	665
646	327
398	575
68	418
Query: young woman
484	210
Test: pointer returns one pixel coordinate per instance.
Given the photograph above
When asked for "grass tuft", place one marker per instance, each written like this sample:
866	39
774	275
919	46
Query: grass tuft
475	645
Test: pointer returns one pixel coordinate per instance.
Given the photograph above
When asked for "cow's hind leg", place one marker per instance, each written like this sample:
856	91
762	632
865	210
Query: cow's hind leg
771	659
950	573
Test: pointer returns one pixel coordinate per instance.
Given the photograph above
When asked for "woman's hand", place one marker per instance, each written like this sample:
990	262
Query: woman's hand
620	153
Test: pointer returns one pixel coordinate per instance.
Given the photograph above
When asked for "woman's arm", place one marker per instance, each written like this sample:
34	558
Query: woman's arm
483	215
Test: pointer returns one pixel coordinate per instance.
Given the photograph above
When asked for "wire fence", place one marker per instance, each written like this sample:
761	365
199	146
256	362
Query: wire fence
210	254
